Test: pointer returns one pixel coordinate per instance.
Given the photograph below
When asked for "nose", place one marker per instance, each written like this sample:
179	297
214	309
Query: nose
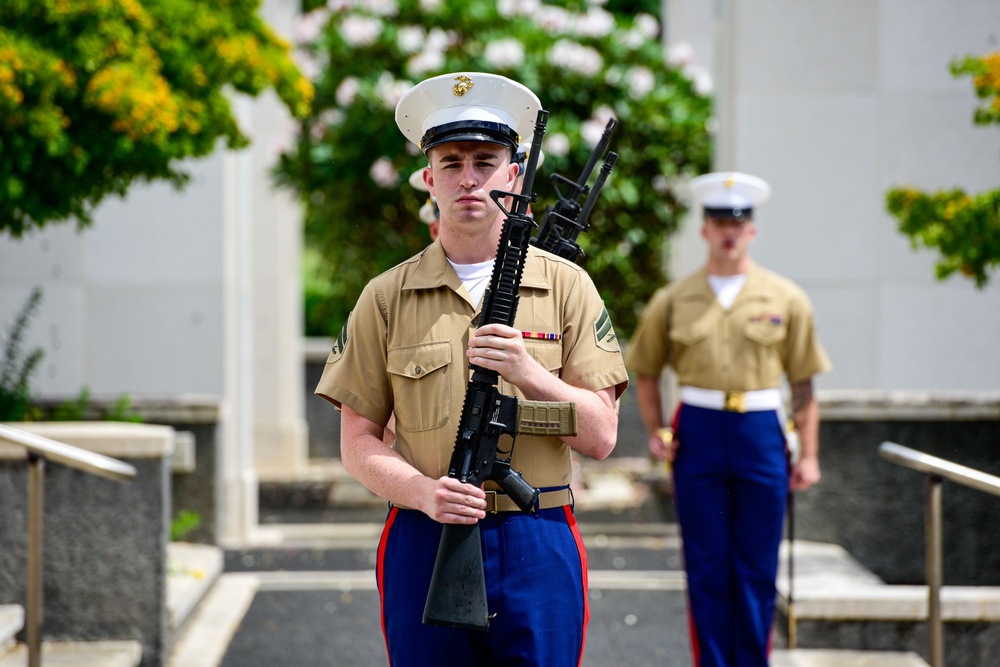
468	179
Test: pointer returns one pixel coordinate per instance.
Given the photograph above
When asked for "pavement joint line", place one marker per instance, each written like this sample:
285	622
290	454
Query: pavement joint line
347	580
362	535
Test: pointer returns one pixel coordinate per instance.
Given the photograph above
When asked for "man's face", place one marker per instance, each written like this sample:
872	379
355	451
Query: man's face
728	238
461	176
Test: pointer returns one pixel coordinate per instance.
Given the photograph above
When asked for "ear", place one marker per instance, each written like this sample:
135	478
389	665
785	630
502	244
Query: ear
429	179
751	231
512	170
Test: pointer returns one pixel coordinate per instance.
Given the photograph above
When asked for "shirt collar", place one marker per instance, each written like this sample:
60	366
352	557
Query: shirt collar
434	271
752	289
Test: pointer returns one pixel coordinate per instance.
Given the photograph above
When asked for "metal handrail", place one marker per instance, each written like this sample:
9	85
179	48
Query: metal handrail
67	455
39	450
937	470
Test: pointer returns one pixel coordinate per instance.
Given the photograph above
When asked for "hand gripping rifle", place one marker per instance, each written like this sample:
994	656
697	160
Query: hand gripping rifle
564	221
457	594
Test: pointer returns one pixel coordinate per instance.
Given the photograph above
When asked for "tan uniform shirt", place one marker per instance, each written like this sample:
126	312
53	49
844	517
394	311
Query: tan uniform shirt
766	333
403	351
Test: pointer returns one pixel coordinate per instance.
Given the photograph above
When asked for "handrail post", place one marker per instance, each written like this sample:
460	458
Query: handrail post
935	628
36	509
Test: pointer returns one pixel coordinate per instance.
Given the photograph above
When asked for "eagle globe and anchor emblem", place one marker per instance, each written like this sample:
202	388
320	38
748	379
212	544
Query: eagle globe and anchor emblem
463	86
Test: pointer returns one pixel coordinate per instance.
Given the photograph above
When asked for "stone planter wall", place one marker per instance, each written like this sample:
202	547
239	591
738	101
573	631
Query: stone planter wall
105	561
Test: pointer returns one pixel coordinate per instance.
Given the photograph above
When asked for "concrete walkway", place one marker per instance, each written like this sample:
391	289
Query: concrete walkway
305	595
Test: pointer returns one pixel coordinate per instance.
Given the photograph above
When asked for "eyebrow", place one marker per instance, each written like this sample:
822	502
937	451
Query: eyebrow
482	155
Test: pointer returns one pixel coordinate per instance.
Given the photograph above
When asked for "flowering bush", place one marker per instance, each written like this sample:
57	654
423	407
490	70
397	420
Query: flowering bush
965	229
586	65
97	95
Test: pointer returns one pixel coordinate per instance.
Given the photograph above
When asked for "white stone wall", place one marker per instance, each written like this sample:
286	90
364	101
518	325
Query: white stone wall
132	304
834	103
191	292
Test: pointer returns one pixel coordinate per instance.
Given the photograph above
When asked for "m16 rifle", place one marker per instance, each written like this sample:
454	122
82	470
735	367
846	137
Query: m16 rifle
565	221
457	593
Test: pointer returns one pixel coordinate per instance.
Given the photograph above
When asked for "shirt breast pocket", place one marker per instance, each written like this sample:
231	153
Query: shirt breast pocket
421	385
766	331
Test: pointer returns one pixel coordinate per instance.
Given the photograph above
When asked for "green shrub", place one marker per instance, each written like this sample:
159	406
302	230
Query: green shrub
16	368
95	96
963	228
350	164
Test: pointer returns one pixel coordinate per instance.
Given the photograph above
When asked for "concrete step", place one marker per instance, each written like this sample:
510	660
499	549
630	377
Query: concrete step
192	569
11	622
835	658
79	654
831	585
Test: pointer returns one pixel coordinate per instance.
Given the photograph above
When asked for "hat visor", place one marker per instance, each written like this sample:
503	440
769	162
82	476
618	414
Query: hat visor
495	133
735	213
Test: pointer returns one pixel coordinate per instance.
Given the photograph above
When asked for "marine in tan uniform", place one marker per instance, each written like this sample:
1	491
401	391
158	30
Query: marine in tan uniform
732	332
406	349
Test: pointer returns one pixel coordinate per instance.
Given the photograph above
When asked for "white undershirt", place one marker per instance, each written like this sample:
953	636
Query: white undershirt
475	277
727	288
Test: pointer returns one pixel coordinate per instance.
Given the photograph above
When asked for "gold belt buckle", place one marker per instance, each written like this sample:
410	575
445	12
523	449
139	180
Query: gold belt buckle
491	502
736	401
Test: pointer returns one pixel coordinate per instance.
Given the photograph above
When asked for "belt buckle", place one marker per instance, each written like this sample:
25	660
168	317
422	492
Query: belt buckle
491	502
736	401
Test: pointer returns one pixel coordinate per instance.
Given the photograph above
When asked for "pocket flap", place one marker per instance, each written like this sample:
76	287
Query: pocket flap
416	361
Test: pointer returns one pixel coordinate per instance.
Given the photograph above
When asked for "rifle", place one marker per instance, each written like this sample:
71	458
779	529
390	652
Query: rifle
568	218
457	593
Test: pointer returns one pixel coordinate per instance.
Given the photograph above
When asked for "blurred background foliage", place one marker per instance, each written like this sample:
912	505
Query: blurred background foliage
95	95
963	228
586	62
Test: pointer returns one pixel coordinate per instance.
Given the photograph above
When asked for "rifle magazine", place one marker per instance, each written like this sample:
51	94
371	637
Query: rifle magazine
546	418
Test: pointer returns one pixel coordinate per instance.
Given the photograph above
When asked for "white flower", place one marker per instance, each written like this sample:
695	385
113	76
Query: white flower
700	78
680	54
424	62
311	25
411	38
347	91
553	19
384	174
430	5
576	57
381	7
596	22
556	144
660	184
360	30
632	39
440	40
389	90
591	131
640	82
326	120
510	8
647	25
505	53
603	114
308	64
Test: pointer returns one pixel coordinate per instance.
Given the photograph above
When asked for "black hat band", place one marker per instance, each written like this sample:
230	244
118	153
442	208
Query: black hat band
739	213
470	130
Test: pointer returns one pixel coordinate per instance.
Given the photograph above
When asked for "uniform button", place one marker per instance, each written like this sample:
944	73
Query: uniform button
418	370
